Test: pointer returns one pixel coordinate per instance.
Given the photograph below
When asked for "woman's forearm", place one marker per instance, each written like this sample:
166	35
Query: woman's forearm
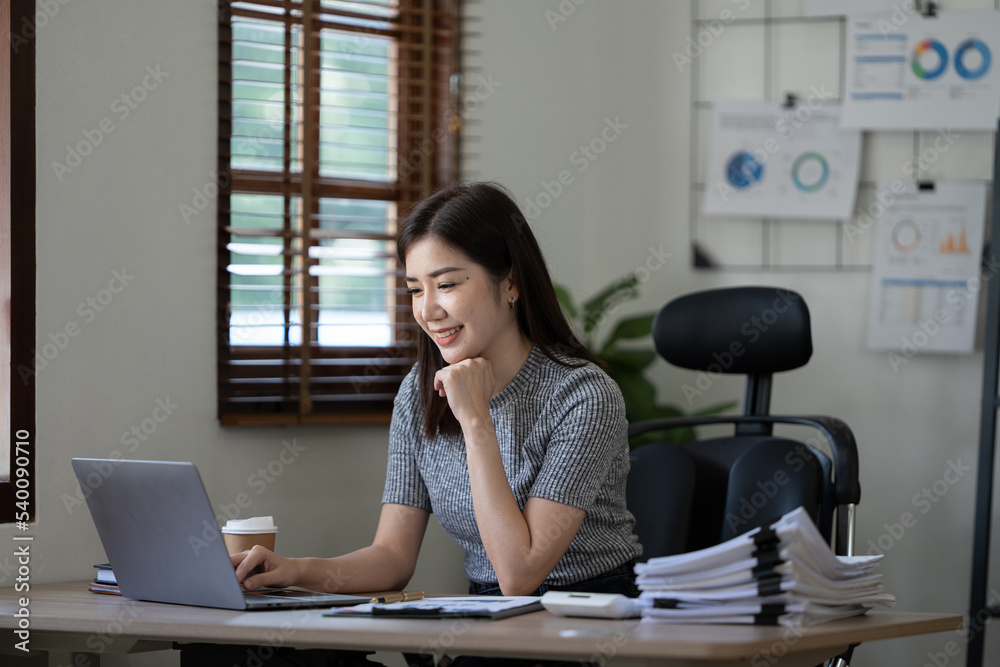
372	568
521	546
386	565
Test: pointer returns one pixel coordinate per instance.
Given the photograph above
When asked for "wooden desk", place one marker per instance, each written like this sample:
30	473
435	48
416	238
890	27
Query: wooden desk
68	617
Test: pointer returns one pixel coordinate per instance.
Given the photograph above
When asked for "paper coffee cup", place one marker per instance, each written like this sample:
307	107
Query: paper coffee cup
243	534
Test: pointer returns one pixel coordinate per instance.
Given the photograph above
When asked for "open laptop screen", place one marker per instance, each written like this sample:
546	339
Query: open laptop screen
160	536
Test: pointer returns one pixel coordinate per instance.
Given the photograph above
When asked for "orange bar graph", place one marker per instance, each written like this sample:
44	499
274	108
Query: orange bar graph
951	246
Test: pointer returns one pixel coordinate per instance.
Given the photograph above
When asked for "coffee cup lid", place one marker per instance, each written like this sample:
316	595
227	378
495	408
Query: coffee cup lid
257	524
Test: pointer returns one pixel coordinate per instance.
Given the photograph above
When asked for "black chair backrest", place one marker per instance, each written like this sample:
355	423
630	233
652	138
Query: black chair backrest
739	330
753	331
694	495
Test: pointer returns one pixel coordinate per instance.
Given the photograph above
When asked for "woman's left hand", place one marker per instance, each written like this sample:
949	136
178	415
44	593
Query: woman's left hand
468	385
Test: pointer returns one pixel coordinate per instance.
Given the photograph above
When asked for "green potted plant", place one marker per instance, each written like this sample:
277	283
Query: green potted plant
627	364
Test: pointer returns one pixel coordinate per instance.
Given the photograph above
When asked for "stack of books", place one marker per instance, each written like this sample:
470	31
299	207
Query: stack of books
105	581
783	573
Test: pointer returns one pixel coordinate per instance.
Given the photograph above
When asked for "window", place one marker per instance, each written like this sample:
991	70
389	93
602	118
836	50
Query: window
17	259
334	118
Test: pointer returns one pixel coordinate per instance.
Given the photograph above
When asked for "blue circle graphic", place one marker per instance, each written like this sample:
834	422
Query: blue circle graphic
926	46
972	44
812	159
743	170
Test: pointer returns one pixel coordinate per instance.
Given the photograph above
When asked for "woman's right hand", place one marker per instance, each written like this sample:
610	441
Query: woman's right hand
260	567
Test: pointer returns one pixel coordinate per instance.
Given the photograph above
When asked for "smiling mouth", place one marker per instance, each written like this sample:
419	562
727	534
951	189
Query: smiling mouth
443	335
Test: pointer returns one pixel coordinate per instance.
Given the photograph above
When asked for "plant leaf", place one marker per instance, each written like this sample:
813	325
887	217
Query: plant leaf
637	326
626	366
681	434
638	392
628	360
599	305
566	301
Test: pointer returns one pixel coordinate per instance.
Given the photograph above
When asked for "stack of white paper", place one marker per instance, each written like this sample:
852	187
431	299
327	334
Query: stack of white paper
781	574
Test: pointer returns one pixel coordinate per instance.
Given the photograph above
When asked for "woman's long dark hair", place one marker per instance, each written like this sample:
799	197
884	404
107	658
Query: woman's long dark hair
481	221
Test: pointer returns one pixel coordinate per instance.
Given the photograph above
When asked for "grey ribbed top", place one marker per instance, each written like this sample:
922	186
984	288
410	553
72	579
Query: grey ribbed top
562	434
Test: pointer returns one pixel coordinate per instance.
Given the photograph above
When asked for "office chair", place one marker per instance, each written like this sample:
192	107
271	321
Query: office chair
694	495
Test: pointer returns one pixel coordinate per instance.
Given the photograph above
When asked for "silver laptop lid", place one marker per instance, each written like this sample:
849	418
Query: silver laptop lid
156	524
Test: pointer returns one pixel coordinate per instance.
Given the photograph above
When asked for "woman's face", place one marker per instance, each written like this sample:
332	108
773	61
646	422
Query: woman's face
455	303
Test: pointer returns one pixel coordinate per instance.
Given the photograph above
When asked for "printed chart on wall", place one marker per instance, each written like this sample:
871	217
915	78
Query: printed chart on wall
925	275
843	7
767	160
912	72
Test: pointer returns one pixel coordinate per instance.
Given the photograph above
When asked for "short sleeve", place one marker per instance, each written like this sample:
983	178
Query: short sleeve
589	439
403	482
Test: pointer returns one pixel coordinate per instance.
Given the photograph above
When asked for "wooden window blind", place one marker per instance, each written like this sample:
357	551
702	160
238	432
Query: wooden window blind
335	117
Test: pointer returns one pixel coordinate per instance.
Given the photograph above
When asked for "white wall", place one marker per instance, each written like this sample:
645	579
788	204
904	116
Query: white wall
560	80
118	210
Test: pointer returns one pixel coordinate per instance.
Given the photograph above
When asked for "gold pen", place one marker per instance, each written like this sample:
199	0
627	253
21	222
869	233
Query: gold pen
386	599
405	596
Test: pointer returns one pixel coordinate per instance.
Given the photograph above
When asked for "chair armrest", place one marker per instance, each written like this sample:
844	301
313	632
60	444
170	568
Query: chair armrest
846	486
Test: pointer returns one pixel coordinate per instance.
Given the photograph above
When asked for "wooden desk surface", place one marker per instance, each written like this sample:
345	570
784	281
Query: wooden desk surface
66	609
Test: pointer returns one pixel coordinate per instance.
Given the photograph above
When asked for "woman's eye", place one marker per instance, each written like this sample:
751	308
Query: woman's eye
446	285
413	290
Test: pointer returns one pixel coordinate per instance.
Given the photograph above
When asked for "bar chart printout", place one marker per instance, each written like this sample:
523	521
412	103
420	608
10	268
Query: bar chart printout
926	274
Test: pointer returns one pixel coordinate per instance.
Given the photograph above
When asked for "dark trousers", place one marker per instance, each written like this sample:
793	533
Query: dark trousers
225	655
619	580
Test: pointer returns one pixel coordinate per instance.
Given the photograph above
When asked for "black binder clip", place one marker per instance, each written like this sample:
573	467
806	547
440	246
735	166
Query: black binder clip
925	186
927	8
791	99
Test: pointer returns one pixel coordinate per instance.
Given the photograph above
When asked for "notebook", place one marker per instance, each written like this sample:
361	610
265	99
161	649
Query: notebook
158	530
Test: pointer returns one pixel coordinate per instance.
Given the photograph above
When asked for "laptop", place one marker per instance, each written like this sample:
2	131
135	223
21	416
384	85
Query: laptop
162	540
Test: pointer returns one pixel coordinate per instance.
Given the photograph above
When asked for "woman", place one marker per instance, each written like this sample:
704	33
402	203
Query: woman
505	427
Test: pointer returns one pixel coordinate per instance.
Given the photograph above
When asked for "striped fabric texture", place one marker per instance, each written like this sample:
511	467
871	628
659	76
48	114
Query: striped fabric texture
562	436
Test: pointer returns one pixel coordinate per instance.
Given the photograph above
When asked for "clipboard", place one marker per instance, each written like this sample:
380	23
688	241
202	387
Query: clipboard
483	606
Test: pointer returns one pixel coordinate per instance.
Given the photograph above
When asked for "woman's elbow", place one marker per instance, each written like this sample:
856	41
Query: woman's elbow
401	576
396	569
519	584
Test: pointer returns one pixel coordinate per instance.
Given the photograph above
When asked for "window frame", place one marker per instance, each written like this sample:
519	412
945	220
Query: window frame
17	248
426	34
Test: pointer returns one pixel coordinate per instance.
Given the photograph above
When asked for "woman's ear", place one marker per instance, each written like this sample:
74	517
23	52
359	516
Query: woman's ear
510	285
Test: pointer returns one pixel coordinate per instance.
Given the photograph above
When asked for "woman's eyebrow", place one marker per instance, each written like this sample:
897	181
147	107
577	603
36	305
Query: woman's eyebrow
435	274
